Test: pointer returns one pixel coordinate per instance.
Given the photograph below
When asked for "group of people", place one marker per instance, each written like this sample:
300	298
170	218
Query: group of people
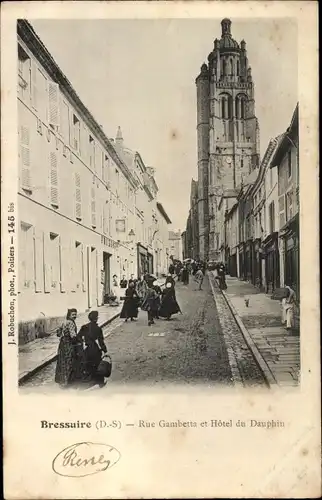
79	353
148	295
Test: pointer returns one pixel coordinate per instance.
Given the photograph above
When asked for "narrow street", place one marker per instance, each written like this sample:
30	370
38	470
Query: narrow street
199	346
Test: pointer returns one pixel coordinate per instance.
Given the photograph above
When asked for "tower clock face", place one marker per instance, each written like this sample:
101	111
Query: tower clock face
228	159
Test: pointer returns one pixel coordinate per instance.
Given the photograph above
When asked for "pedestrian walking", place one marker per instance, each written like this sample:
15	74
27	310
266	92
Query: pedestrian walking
151	304
171	269
199	278
70	361
131	302
92	336
288	308
185	275
222	277
141	289
169	304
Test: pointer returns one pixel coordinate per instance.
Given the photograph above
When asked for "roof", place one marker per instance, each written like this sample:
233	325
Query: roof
163	212
286	139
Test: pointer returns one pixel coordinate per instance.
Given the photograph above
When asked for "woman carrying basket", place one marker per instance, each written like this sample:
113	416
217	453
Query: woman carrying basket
92	335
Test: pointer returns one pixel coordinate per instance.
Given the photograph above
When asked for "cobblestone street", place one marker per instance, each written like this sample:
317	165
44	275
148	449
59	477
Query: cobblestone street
192	348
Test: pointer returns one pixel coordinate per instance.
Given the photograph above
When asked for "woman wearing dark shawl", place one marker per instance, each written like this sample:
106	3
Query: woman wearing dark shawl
70	365
130	306
169	304
92	335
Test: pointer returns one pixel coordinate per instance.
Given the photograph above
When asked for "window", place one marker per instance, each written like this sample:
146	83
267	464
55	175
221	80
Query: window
223	108
53	106
53	163
54	261
64	121
224	67
289	205
98	160
78	197
76	133
242	108
91	152
289	163
42	95
93	206
24	73
106	168
25	159
78	267
237	68
26	257
242	163
271	215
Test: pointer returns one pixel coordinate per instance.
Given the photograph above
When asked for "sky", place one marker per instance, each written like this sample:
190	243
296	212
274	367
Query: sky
140	75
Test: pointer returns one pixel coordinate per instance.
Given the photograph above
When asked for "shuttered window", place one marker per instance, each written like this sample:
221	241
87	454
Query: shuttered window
53	107
54	179
24	74
91	152
93	206
34	71
39	259
106	168
26	257
98	159
281	203
76	133
25	158
64	121
78	196
42	96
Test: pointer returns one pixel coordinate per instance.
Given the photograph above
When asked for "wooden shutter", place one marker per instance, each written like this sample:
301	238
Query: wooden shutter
39	259
25	158
54	178
34	71
53	107
84	142
72	266
78	196
47	262
83	250
93	206
281	203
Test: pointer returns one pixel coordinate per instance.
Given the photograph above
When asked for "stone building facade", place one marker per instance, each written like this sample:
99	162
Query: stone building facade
227	132
83	207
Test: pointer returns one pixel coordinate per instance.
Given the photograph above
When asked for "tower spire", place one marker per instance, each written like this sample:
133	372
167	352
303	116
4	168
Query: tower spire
119	136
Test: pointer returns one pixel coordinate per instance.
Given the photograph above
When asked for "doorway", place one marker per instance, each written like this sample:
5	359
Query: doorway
106	278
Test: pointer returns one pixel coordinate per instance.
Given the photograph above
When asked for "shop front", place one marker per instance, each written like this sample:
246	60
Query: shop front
272	263
233	263
145	260
257	264
241	261
249	261
290	237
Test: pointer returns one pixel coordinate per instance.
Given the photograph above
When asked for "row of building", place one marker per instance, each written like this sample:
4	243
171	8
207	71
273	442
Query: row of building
243	211
88	206
258	237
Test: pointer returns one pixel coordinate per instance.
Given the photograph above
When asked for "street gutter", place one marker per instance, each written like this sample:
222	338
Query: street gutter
268	375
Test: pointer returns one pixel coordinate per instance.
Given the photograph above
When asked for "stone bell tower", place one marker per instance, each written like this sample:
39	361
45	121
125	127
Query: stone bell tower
227	130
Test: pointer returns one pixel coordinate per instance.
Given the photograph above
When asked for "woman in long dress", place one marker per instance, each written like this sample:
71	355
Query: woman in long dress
130	306
169	304
288	306
70	362
185	275
92	336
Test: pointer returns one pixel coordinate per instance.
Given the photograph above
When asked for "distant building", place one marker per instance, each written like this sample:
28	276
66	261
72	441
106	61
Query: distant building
175	245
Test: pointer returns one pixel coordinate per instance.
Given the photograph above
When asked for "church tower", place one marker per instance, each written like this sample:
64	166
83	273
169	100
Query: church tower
228	132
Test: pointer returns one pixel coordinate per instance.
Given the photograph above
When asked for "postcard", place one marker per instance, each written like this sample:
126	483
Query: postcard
160	271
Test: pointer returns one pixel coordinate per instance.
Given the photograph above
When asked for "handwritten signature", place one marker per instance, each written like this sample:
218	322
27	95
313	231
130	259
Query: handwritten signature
85	459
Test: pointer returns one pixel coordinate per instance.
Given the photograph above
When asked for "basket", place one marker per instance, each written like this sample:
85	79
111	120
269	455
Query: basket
105	367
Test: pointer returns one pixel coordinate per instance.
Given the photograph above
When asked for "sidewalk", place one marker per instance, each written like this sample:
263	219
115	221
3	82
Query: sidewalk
275	349
40	352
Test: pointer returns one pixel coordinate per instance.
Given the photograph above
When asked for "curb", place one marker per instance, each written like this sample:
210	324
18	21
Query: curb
51	359
268	375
